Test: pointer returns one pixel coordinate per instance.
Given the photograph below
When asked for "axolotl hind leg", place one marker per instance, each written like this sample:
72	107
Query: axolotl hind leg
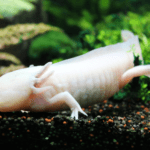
135	72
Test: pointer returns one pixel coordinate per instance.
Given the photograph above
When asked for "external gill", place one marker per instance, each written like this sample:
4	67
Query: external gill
39	79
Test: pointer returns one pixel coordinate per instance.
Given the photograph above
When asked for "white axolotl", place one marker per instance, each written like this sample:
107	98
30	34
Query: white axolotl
74	83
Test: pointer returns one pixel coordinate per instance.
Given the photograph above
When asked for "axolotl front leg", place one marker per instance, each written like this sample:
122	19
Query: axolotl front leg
70	101
56	102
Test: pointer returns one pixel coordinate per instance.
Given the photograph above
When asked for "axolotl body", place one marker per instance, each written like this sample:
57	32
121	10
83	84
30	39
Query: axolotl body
74	83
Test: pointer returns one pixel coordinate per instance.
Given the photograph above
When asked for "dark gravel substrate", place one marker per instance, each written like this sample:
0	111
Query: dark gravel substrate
110	125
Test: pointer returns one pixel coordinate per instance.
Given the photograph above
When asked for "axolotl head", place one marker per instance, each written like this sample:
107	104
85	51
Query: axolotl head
16	87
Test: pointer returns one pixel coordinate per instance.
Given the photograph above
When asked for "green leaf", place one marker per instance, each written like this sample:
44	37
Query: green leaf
144	85
9	8
104	6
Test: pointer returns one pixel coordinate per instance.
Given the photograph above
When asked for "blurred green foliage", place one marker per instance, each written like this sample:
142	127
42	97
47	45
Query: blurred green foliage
104	33
54	45
74	16
9	57
138	24
9	8
13	34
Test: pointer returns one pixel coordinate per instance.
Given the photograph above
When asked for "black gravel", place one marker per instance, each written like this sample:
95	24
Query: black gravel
111	124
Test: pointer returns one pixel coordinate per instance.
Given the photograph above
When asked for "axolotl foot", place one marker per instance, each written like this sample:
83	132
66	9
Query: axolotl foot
75	112
69	100
73	104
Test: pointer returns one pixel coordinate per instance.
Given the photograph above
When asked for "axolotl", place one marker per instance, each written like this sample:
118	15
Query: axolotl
73	83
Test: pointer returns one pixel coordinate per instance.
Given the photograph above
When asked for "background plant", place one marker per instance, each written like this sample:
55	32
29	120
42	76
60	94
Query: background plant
75	16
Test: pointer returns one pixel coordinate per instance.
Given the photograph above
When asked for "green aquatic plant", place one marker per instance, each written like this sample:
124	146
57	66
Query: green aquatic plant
14	34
